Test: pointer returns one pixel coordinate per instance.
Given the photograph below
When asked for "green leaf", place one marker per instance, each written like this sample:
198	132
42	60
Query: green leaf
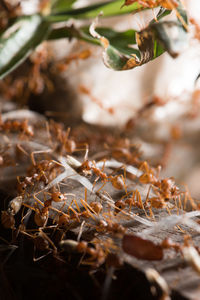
19	40
61	5
171	35
122	41
109	8
152	42
183	19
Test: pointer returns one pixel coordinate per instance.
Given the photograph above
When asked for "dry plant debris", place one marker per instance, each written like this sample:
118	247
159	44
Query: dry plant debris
116	206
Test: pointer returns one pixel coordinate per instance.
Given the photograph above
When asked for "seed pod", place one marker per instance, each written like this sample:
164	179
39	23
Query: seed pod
15	205
141	248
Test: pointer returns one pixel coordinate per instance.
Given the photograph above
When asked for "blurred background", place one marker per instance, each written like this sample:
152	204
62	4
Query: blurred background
157	104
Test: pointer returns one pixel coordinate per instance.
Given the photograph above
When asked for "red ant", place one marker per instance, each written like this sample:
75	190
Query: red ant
117	181
7	220
17	126
165	188
64	64
41	242
168	4
110	226
96	254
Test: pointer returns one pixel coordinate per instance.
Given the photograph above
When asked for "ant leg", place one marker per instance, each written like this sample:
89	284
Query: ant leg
180	202
97	192
144	167
80	231
27	205
57	210
48	133
185	201
60	211
78	208
154	15
38	152
104	164
38	200
131	202
88	208
147	196
36	259
139	200
94	183
85	195
124	179
75	213
22	149
48	239
24	216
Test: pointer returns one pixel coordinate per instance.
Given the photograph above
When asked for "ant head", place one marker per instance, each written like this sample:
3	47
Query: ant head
57	196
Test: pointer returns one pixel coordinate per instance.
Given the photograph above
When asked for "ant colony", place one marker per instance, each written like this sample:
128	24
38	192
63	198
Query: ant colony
91	196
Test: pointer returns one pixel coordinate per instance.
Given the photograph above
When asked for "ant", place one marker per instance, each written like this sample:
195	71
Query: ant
123	150
41	242
168	4
167	243
188	250
8	11
135	200
62	65
117	181
17	126
110	226
197	29
65	144
42	214
7	220
37	80
96	253
165	188
44	171
96	206
84	90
